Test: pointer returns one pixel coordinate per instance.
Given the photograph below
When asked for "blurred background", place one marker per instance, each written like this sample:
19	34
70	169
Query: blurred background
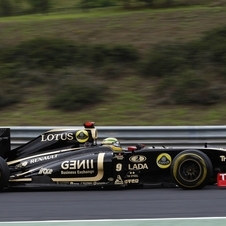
115	62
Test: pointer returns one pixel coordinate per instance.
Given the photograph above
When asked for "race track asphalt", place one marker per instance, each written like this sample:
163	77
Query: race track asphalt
112	204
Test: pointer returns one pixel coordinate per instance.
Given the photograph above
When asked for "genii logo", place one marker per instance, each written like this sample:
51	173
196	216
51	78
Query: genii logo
137	158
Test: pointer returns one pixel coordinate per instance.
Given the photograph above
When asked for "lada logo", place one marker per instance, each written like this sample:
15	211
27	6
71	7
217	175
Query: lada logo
137	166
137	158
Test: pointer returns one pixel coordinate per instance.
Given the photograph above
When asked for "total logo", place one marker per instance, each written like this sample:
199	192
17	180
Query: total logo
45	171
223	158
223	176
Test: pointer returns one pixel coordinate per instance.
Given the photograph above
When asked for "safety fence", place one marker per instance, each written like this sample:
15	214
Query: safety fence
168	136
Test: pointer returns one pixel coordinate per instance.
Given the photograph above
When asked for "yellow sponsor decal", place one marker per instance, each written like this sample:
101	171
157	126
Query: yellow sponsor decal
164	160
82	136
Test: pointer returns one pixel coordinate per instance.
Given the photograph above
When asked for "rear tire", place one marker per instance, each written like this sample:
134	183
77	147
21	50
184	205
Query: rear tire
4	174
191	169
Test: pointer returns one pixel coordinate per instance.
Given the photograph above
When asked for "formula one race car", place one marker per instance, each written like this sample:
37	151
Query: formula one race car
72	158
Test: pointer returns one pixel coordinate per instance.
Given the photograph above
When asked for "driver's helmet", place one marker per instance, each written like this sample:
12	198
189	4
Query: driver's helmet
113	143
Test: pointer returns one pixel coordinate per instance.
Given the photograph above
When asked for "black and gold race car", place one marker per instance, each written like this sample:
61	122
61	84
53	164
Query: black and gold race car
68	158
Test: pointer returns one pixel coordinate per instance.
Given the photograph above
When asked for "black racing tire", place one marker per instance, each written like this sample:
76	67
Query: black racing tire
4	174
191	169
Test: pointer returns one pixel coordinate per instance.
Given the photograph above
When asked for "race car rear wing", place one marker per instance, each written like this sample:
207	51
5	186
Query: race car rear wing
5	143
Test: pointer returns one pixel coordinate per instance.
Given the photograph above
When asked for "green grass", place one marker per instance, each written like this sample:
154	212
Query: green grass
127	105
130	100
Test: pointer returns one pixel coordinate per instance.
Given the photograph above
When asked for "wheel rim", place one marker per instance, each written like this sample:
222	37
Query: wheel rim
190	170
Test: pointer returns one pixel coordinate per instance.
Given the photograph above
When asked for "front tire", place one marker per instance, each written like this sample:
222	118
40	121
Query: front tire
191	169
4	174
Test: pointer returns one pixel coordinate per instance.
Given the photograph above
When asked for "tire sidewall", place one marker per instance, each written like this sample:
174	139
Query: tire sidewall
202	161
4	174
